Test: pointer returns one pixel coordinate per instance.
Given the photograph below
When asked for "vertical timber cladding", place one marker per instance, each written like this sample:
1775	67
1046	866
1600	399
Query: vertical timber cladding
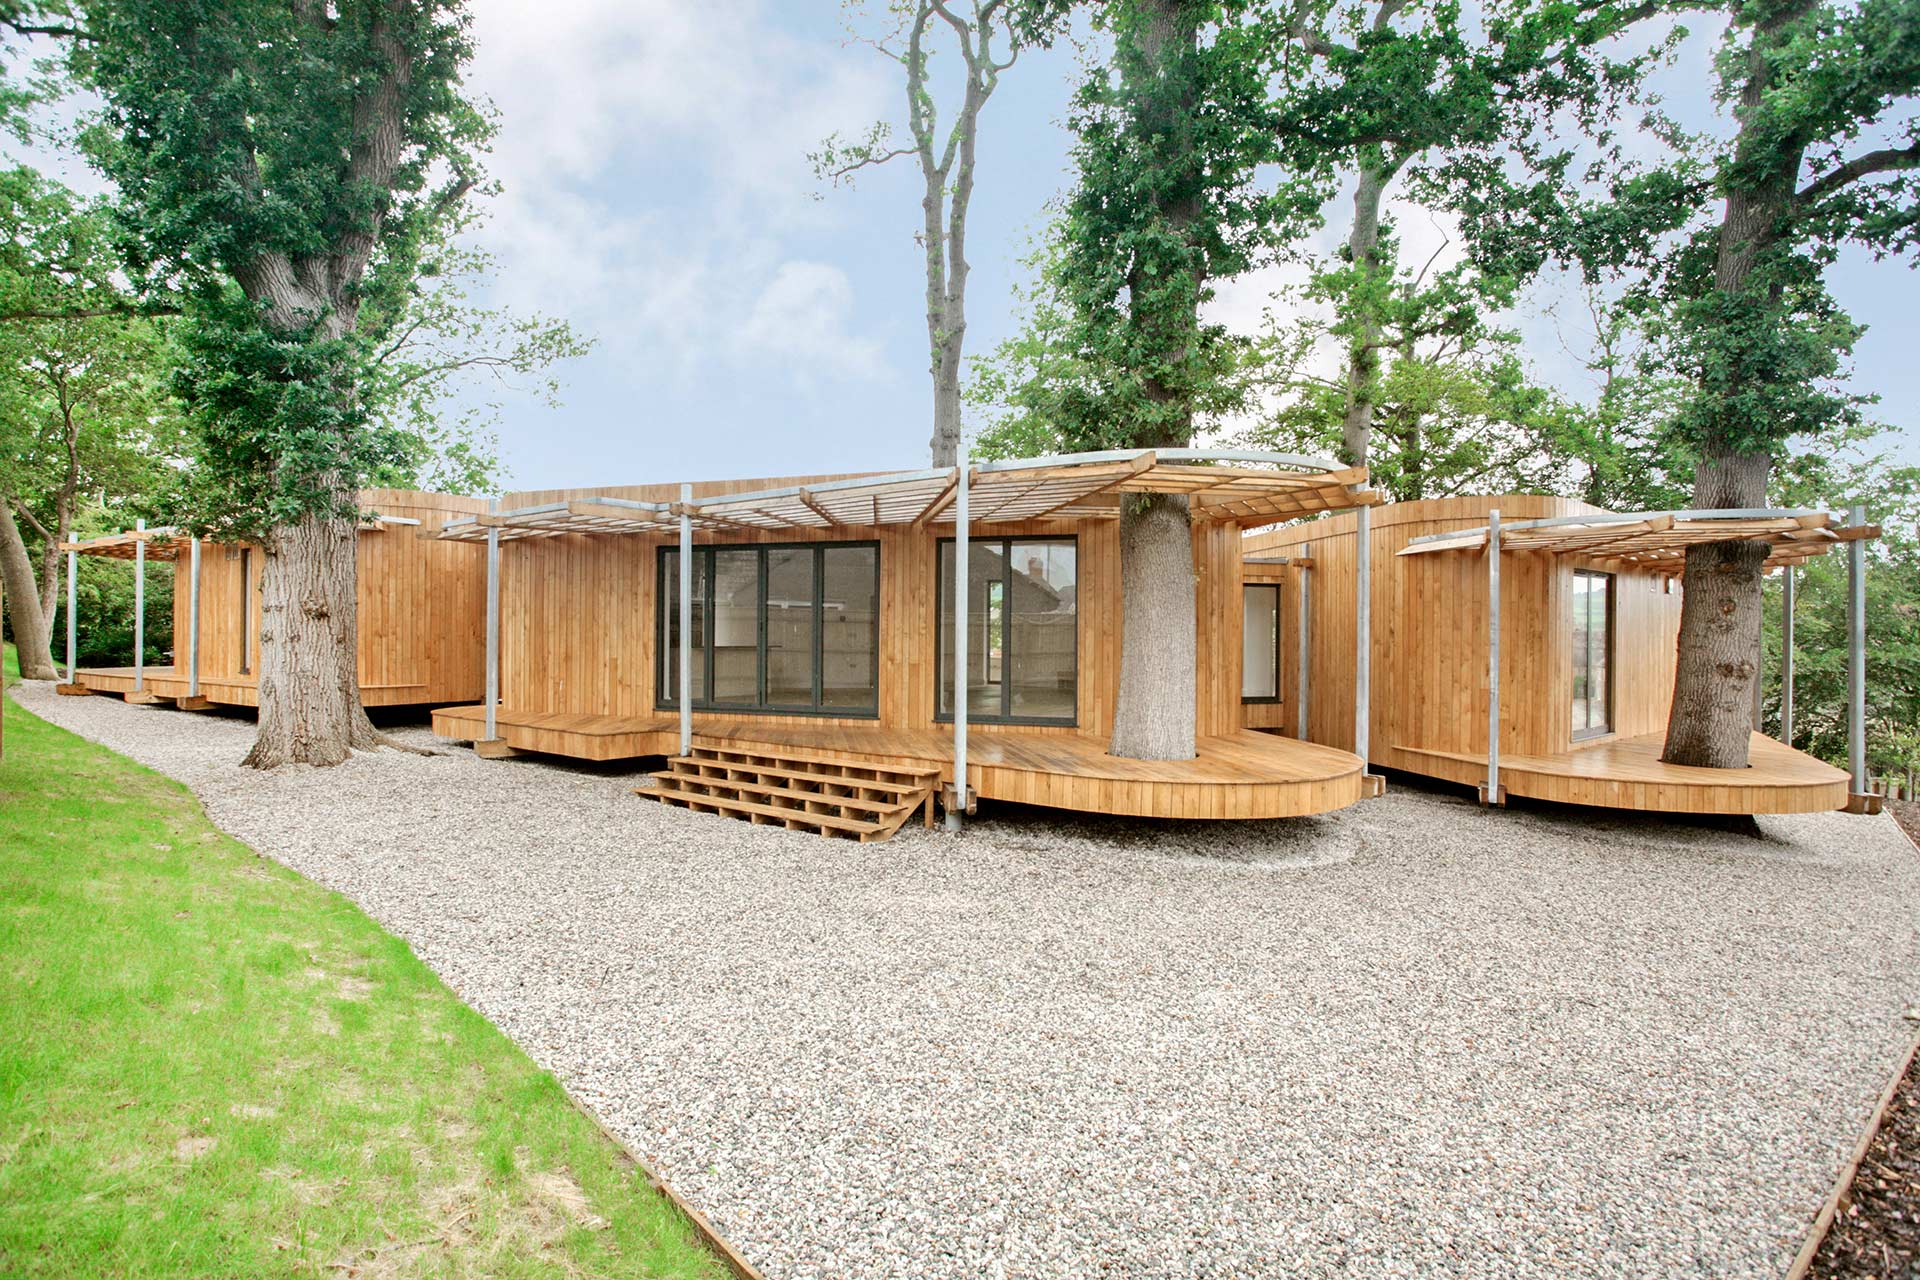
421	604
1430	634
578	627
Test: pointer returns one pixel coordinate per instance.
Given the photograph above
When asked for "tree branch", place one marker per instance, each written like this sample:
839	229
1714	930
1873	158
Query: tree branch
1885	160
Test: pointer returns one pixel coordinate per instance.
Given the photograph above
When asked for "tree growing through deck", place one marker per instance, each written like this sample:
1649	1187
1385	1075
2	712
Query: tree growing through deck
1726	244
288	161
1167	143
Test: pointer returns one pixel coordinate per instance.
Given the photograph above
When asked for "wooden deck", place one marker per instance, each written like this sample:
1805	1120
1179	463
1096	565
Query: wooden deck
1238	775
229	691
1627	773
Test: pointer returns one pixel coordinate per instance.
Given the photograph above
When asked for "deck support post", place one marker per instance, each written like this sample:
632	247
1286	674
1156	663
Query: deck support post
1786	655
1303	682
73	623
193	618
1490	793
1760	671
957	800
493	627
1860	801
140	609
686	620
1363	627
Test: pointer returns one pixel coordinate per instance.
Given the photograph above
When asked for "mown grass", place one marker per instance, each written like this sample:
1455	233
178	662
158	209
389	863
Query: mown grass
213	1067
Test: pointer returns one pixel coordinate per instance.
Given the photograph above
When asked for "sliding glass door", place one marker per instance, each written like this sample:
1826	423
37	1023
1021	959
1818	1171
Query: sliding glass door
786	628
1023	630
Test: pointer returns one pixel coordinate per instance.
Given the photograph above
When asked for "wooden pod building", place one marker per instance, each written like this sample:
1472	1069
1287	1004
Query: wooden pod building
825	638
421	604
1575	665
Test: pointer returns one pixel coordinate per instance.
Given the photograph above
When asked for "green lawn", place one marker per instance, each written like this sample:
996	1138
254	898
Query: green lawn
210	1066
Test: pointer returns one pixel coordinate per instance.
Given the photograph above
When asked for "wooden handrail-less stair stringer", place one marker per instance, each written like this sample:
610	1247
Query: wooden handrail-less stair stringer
769	785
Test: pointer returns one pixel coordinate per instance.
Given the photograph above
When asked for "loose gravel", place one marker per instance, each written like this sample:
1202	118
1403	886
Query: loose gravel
1409	1039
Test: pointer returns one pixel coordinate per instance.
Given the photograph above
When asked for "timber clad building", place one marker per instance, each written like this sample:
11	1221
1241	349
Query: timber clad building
837	653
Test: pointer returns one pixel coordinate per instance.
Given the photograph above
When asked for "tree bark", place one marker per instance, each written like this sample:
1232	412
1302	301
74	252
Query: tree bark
1363	345
1711	720
310	710
1155	716
30	631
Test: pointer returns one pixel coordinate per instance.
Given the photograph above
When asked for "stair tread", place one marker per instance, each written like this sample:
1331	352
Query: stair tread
784	753
765	789
856	825
877	784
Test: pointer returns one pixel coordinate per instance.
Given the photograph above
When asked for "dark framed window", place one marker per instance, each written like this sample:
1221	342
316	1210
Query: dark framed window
1023	630
1592	653
246	609
785	627
1260	642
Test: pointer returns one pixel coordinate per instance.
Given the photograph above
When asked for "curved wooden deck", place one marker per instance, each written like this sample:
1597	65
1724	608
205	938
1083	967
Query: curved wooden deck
226	691
1627	773
1238	775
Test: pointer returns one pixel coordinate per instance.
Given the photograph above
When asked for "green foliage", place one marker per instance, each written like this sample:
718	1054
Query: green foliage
287	165
1852	469
1169	141
1821	157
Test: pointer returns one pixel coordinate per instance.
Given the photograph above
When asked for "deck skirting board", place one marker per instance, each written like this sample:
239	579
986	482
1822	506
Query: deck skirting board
1628	774
1236	776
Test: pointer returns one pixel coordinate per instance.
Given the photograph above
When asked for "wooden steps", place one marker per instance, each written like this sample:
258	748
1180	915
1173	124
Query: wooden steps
799	790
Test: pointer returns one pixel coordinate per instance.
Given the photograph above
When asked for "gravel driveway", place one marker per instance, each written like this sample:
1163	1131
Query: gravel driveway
1411	1039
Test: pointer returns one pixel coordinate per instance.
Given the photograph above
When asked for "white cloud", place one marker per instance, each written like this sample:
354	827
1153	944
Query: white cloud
652	155
802	317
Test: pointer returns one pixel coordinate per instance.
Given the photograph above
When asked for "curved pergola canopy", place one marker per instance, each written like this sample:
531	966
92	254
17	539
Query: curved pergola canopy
1224	486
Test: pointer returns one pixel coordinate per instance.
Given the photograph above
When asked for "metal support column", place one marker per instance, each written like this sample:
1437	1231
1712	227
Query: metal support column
1363	626
193	618
493	626
1303	683
73	623
1760	666
140	609
957	802
686	620
1491	795
1786	655
1857	656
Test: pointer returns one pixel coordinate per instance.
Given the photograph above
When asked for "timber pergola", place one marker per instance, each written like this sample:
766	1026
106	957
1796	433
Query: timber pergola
1222	486
140	545
1657	542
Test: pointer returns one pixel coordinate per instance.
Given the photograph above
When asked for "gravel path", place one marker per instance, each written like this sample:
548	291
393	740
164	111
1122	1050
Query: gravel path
1411	1039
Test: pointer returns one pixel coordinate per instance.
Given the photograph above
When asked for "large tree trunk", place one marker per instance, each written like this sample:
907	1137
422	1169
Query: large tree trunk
1155	716
310	710
1711	721
30	630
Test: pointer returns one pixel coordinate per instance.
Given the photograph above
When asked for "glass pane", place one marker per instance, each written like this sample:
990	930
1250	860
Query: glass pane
1260	643
1591	637
1599	661
849	628
736	626
986	566
790	627
1041	630
670	602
